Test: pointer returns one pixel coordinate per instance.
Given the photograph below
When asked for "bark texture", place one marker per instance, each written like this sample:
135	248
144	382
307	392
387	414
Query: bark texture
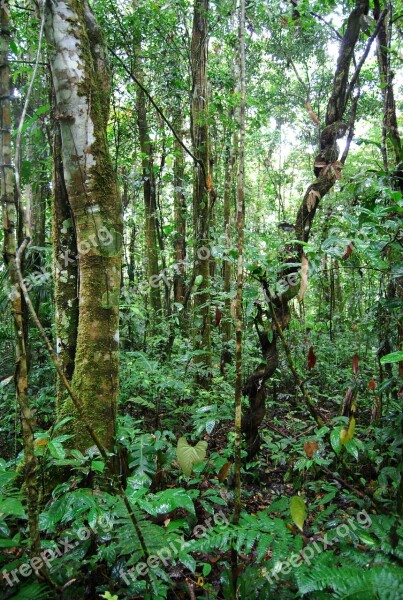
81	82
202	184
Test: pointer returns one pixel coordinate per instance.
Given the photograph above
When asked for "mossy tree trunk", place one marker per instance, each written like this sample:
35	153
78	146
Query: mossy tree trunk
81	82
11	227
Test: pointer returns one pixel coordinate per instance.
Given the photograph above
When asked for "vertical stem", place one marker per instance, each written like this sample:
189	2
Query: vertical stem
240	208
10	225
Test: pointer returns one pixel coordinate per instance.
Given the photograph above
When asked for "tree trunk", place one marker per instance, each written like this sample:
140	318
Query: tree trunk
202	187
82	88
179	218
149	191
11	226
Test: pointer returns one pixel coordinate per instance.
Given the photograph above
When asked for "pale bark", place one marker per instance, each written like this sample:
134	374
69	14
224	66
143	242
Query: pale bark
82	87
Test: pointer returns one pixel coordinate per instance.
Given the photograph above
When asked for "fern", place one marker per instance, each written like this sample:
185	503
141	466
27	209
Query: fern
33	591
383	583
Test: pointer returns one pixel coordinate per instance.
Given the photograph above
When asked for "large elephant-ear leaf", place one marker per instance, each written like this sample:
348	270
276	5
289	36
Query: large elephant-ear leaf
189	456
298	511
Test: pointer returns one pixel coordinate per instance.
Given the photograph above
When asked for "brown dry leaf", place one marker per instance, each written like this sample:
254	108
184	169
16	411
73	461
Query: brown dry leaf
310	448
304	278
223	472
209	183
348	251
313	196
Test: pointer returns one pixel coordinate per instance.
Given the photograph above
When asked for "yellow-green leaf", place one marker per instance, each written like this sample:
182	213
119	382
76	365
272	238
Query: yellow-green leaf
298	511
189	456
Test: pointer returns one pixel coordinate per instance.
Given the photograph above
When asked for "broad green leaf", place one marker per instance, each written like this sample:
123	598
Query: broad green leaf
394	357
298	511
12	506
335	440
198	279
189	456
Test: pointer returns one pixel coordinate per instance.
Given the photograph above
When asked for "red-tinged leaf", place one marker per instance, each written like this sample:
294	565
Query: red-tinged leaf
348	251
371	384
311	358
310	448
355	364
218	316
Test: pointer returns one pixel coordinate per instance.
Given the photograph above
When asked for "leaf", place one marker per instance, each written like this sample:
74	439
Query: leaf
371	384
355	363
198	280
12	506
313	196
218	317
335	440
298	511
311	358
347	434
61	423
224	471
304	277
188	561
210	426
393	357
310	448
348	251
189	456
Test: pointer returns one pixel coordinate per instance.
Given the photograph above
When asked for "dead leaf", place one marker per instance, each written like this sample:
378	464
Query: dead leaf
313	196
311	358
304	278
223	472
371	384
355	364
348	251
310	448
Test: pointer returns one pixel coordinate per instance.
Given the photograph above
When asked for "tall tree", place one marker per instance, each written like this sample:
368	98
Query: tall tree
326	170
81	81
12	216
202	184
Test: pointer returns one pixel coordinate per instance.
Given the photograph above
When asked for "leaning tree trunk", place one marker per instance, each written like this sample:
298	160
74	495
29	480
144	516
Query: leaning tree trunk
327	170
202	186
82	88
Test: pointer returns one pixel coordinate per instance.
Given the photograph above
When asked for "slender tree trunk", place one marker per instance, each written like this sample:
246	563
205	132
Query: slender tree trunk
11	227
65	272
202	186
240	212
149	191
228	185
81	80
179	218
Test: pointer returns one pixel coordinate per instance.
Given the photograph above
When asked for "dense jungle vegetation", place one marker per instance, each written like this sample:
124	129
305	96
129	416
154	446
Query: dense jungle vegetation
201	334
